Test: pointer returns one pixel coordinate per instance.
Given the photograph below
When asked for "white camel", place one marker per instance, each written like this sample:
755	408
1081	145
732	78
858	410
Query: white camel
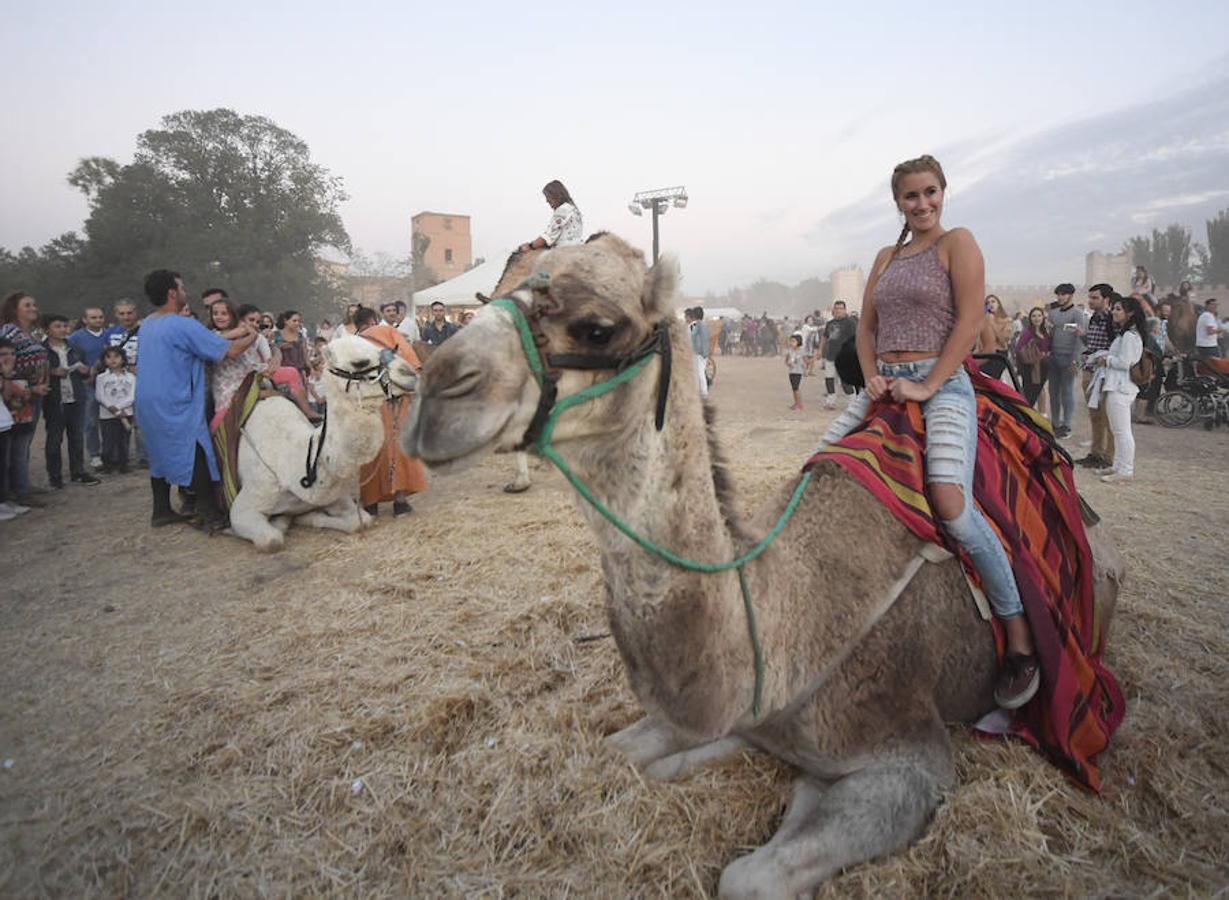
280	450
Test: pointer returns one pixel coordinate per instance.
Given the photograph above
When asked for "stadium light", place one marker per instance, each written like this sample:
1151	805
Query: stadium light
659	201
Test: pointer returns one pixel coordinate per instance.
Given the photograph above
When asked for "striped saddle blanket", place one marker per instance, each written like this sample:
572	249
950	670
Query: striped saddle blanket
1025	487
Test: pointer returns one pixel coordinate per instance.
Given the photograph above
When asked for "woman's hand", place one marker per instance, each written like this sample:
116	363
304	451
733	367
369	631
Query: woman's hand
524	248
878	386
903	389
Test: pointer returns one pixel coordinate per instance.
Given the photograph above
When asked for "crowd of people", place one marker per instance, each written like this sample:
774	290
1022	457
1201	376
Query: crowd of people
79	379
1118	346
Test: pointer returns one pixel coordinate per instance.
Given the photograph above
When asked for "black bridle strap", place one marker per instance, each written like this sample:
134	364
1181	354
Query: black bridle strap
546	402
663	377
314	464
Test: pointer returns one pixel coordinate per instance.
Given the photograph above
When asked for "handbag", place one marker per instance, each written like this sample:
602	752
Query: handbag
1030	354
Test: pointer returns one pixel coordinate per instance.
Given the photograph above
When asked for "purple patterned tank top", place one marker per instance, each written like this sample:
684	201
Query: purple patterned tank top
914	304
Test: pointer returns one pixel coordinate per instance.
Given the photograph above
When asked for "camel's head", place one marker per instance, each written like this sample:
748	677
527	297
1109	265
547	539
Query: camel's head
357	368
597	300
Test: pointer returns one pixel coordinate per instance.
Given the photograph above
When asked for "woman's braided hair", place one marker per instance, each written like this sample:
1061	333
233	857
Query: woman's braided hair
924	163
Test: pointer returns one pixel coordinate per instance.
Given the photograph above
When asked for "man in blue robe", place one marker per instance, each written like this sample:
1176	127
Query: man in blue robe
170	399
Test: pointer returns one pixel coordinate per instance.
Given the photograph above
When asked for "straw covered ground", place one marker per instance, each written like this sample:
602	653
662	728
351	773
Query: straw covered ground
419	710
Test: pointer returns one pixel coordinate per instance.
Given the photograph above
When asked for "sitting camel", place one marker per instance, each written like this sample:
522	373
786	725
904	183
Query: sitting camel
292	470
855	691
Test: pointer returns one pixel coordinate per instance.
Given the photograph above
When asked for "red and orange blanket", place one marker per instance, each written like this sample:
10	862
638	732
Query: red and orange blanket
1025	487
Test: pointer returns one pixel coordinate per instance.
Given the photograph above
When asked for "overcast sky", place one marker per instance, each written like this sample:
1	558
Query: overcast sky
773	115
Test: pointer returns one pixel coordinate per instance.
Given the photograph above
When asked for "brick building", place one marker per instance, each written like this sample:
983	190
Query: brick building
449	248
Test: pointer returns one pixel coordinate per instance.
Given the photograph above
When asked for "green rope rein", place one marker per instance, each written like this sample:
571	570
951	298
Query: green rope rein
542	446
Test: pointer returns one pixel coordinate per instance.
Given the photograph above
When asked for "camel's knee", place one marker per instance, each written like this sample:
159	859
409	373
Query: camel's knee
947	500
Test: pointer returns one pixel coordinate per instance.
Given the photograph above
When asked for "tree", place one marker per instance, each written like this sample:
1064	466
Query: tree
228	200
1169	255
1214	258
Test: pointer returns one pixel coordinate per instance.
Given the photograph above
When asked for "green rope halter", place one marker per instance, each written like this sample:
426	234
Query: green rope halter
542	447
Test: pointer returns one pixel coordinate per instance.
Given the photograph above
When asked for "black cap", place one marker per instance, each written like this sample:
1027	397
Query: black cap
1065	288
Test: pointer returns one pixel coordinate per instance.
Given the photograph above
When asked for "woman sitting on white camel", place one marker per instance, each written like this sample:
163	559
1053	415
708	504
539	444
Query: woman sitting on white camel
921	314
228	374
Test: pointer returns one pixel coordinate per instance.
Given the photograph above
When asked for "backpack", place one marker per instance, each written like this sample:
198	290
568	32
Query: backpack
1141	373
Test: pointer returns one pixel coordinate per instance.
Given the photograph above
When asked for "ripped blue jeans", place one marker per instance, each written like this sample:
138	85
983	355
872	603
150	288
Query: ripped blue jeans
951	456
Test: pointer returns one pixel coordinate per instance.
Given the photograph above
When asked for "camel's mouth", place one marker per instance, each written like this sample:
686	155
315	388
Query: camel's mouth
449	435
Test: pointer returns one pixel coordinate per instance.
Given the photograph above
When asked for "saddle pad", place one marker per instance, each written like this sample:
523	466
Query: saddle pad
1025	487
226	437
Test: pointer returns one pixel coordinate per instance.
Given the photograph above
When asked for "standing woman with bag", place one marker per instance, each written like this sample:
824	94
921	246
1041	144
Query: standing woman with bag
1112	385
1032	351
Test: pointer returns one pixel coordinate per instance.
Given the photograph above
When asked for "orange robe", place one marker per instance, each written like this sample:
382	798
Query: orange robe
392	472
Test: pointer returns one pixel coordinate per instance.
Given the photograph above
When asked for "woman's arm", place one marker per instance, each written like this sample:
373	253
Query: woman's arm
239	344
968	273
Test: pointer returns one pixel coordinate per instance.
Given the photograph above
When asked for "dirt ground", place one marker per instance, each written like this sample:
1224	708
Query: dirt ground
418	710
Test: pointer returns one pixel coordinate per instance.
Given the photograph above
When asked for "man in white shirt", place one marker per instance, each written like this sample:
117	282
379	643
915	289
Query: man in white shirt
1208	331
407	325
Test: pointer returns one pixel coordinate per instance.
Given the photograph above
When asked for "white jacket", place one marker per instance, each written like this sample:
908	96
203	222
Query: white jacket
1115	375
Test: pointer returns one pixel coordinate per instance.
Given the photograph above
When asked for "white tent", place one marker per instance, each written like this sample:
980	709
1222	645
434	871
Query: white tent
723	312
460	291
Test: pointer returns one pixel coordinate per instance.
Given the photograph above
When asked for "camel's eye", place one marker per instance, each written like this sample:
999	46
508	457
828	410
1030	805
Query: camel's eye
593	332
599	334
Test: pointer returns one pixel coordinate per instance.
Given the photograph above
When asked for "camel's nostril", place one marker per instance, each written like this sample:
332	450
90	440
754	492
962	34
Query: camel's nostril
466	381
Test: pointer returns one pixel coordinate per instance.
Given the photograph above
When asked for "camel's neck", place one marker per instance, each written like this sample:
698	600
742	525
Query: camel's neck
683	635
355	429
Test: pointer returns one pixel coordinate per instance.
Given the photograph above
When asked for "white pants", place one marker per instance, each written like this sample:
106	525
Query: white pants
700	363
1118	411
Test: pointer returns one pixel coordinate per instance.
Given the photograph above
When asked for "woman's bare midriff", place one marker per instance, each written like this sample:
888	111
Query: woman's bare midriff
907	356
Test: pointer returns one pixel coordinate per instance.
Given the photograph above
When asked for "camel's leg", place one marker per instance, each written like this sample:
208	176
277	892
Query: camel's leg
664	752
670	768
521	481
870	813
281	523
344	515
249	523
648	740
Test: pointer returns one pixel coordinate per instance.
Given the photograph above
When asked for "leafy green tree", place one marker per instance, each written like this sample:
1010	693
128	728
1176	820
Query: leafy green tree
1169	255
230	201
1214	258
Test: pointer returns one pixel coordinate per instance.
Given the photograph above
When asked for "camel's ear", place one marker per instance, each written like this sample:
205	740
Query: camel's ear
660	285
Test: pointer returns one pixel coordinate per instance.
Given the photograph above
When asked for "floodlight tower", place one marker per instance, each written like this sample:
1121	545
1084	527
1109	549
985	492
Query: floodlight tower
658	201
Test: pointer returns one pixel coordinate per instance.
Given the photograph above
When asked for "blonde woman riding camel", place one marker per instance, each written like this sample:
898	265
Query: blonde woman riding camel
921	315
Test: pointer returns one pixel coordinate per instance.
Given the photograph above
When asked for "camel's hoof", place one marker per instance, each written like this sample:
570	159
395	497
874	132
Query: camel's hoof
516	487
271	544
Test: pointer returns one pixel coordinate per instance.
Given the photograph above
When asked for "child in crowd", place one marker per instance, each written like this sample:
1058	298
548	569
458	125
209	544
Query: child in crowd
316	389
115	389
796	364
